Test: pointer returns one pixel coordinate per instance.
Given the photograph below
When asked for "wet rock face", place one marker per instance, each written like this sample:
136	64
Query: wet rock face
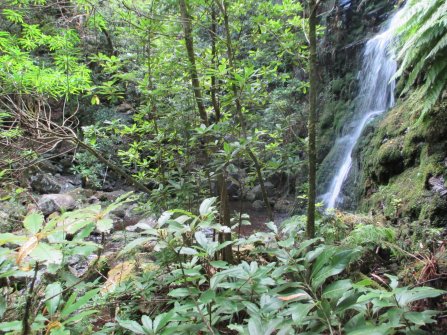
51	203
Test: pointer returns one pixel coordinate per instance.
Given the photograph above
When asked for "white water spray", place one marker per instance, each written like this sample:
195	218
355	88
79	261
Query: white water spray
376	95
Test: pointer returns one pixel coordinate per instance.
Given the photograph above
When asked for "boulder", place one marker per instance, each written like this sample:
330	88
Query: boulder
256	193
50	203
45	183
257	205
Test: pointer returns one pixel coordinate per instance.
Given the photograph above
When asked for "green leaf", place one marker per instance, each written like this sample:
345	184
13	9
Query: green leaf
408	296
74	304
11	326
336	289
147	323
33	222
421	318
43	252
179	293
53	290
104	225
162	320
219	264
207	296
206	207
201	239
11	238
134	244
131	325
337	263
186	251
371	330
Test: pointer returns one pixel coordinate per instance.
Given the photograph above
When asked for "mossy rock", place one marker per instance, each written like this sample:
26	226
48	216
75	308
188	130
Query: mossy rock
389	161
435	210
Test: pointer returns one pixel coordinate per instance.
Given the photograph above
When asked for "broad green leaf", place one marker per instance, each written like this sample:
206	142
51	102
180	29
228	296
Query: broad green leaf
131	325
179	293
336	289
164	218
104	225
74	304
219	264
53	291
33	222
11	238
47	253
421	318
206	206
201	239
186	251
336	263
79	316
299	312
147	323
11	326
207	296
162	320
408	296
371	330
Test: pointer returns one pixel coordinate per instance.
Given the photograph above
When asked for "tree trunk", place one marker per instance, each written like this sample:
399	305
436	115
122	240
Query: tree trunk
240	115
187	30
312	156
227	253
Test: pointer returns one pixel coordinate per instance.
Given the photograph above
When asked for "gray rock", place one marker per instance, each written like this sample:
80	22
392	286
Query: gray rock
256	192
50	203
257	205
45	183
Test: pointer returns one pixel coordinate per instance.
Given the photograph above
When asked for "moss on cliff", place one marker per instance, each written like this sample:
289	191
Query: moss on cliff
400	157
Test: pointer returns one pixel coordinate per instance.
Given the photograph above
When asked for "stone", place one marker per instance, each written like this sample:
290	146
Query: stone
50	203
257	205
45	183
256	192
109	196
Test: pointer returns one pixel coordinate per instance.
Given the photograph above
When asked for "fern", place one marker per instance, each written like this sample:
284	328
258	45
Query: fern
371	236
423	48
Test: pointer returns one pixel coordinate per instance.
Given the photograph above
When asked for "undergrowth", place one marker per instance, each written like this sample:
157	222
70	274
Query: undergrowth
171	279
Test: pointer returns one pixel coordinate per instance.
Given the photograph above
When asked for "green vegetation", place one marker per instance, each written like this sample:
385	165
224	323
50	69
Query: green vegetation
424	48
118	118
291	290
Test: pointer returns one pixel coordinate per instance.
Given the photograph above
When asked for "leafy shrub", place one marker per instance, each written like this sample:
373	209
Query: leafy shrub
293	286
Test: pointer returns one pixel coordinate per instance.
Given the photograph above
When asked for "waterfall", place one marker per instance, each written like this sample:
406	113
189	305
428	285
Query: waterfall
375	96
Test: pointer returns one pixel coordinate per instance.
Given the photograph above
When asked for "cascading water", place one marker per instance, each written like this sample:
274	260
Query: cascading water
376	95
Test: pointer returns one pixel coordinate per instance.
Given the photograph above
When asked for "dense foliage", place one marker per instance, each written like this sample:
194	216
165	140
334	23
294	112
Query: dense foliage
185	100
283	285
423	49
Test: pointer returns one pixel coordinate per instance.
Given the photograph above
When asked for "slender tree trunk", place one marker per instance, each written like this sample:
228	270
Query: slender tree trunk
227	253
312	159
223	7
187	30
